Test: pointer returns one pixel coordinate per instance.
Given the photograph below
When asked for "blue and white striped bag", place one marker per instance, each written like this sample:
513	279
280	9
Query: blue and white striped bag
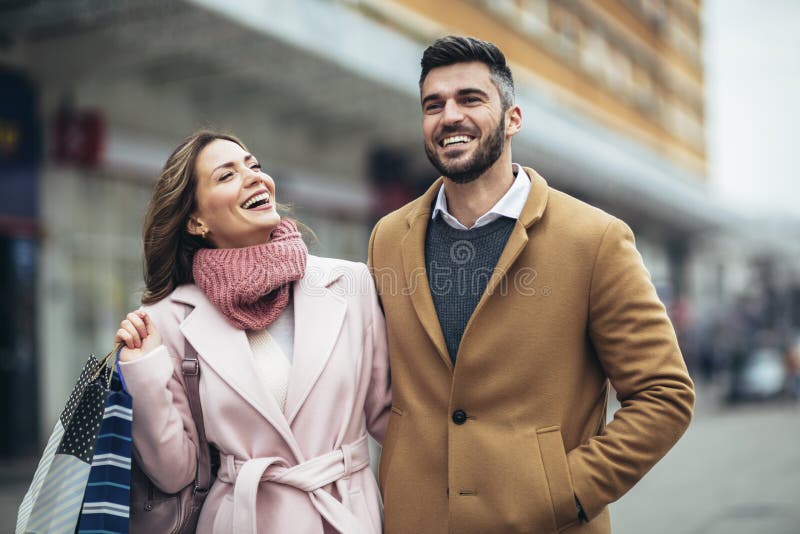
106	503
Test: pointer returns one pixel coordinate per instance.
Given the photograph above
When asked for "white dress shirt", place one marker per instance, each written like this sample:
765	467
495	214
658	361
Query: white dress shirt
510	205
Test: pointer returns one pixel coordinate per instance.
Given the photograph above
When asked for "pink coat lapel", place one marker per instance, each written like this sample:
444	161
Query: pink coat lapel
318	317
319	314
225	349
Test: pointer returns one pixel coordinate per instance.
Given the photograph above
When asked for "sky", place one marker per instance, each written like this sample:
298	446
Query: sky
752	68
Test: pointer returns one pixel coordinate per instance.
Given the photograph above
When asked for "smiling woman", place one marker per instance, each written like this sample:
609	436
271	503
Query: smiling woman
288	411
235	198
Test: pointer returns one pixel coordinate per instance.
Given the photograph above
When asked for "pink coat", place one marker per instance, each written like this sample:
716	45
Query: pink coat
281	471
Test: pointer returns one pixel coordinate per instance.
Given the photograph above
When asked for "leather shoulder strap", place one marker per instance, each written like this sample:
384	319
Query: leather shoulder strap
190	367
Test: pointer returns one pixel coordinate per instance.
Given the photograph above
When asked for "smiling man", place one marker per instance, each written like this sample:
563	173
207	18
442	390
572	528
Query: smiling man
512	308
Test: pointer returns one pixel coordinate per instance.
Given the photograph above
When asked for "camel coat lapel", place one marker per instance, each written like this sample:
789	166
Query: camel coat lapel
415	269
531	213
415	277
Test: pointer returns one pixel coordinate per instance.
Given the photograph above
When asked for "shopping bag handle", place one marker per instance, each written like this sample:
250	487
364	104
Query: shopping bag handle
119	371
103	364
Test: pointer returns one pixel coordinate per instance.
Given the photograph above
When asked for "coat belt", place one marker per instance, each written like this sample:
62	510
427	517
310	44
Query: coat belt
310	476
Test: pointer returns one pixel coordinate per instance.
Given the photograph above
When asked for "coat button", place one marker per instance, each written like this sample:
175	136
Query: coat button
459	417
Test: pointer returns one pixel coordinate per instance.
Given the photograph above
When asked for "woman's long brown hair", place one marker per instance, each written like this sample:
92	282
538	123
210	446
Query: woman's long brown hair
168	246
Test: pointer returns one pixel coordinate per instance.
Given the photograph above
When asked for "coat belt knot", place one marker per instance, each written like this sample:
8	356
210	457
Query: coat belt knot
309	476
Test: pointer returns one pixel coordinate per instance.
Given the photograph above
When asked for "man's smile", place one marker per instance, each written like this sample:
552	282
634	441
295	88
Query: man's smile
455	140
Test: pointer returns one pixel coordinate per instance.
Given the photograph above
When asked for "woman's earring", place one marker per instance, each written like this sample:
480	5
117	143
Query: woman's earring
204	233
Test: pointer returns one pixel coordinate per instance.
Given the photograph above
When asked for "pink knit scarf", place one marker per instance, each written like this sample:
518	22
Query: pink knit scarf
250	285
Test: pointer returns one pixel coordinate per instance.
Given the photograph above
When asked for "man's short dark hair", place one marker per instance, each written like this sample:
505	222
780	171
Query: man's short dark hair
458	49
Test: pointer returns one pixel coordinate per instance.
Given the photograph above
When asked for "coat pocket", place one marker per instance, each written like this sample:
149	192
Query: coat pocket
554	459
389	442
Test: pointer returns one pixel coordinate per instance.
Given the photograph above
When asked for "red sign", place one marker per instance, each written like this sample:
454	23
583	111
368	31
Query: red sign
79	137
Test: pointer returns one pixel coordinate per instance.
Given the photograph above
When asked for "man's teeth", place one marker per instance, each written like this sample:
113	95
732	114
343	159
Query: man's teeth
263	197
455	139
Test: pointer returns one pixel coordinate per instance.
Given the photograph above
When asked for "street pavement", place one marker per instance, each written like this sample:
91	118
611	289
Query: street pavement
735	471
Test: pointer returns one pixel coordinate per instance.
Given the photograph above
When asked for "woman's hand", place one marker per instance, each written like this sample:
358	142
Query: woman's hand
138	334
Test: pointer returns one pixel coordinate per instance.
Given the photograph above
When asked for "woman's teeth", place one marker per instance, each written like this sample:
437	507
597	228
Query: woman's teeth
257	200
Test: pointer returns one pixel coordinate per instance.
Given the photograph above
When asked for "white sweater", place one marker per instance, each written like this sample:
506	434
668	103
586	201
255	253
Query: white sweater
273	348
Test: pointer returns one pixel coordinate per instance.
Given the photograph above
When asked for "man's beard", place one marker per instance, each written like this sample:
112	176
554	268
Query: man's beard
485	155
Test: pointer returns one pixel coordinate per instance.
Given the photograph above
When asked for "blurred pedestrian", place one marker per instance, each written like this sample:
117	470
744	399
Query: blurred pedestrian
793	369
510	307
292	353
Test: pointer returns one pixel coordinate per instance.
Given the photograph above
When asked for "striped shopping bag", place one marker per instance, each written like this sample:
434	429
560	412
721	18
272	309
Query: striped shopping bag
53	501
106	503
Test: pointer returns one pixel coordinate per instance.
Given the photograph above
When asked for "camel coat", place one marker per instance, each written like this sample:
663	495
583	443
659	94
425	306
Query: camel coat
505	440
338	390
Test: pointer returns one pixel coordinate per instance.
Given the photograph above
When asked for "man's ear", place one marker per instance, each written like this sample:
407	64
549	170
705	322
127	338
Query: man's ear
195	226
513	120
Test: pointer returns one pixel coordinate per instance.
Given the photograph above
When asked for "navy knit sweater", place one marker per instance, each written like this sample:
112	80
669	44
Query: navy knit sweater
460	263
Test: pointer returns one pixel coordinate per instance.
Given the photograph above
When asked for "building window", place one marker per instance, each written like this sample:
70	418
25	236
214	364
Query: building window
654	12
506	9
535	17
567	28
594	53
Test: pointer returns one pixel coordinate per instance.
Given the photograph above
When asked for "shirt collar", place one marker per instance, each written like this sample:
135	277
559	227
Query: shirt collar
510	204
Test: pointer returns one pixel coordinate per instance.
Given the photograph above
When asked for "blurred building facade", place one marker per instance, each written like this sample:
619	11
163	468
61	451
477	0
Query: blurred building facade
325	93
